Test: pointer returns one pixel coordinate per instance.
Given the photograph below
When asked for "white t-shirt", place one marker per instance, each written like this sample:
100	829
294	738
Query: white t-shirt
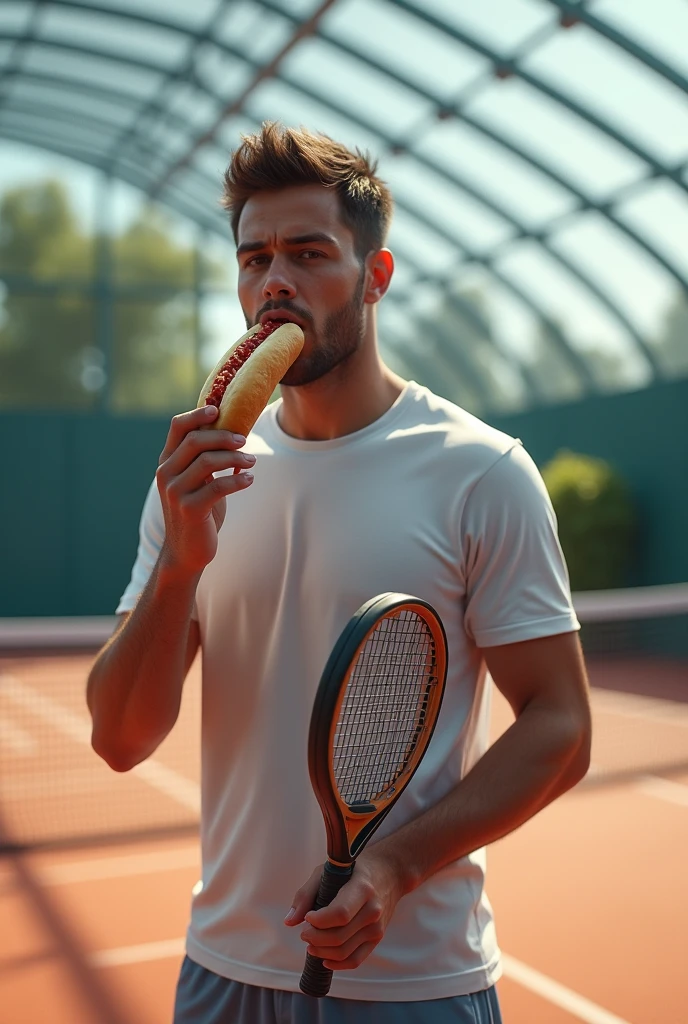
428	501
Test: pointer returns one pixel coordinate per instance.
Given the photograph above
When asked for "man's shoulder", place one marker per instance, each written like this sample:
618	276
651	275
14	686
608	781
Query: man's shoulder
454	429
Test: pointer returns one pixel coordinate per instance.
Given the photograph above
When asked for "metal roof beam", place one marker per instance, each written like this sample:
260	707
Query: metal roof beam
122	59
509	65
185	71
462	308
469	313
114	58
52	114
570	355
453	359
585	202
59	83
580	13
82	154
122	99
522	232
214	225
428	373
303	29
200	216
498	62
604	208
21	41
573	358
588	282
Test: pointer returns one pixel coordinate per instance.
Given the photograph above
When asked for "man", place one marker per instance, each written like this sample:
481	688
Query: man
364	483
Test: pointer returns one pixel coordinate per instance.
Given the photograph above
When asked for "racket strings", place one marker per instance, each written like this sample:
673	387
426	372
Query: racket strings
384	708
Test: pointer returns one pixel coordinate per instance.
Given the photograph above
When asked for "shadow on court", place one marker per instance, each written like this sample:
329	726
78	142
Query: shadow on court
33	919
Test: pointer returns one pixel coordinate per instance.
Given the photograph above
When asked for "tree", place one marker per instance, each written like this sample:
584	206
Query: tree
596	519
56	312
557	375
551	370
482	377
42	333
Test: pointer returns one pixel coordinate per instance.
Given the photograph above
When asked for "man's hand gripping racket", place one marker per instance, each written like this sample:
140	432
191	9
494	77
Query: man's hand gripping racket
373	717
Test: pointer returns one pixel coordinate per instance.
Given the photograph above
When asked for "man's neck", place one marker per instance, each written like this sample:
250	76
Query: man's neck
347	399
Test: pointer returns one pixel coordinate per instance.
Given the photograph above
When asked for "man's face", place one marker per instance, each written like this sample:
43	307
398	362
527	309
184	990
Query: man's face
297	258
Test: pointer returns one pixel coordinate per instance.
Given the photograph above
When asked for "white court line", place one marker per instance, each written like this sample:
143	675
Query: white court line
78	728
635	705
565	998
138	954
21	785
120	867
650	785
186	792
18	740
166	780
664	789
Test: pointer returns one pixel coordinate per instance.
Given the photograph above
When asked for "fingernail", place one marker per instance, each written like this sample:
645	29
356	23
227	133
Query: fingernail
290	915
248	477
210	410
238	438
250	458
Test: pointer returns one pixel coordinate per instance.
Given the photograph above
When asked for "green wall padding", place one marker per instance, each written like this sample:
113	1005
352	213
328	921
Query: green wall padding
73	487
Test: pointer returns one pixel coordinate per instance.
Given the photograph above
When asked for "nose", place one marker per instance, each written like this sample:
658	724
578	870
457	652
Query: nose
277	283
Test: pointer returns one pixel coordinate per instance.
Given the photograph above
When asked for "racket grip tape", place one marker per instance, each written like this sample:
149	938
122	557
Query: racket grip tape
316	978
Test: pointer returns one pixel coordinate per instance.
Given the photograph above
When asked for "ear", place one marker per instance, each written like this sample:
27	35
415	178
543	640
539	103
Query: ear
379	270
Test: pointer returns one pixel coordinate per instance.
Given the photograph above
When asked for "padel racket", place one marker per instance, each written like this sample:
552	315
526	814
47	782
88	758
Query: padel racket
373	716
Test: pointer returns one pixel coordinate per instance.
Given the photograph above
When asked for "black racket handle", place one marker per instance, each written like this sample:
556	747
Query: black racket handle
316	979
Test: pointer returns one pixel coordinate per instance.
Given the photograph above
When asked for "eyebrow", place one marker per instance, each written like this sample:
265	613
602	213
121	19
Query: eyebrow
316	236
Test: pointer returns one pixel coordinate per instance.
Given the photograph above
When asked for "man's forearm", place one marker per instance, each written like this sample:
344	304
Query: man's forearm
135	686
537	759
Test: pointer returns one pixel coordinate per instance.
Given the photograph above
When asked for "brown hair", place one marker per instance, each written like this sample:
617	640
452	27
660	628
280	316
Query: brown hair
278	157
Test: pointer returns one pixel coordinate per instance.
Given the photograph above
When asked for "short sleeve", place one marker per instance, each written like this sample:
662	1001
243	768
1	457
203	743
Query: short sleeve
517	585
151	538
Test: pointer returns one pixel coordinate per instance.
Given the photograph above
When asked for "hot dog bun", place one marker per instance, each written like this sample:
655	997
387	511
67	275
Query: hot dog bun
250	389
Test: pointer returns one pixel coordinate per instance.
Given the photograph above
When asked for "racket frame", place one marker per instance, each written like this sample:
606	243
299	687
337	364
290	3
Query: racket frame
349	828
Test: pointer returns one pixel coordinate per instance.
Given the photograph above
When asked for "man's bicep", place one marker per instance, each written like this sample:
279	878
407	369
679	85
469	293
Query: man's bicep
548	670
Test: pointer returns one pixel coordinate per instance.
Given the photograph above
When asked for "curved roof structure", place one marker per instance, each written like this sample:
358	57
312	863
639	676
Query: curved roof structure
537	151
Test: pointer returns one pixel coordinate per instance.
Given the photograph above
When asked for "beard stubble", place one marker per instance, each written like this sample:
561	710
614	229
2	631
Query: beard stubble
339	339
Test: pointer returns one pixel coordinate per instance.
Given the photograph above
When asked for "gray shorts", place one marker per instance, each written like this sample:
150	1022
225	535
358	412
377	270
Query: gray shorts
206	998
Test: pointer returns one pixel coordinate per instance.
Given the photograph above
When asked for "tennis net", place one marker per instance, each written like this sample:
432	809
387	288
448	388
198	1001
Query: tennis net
54	790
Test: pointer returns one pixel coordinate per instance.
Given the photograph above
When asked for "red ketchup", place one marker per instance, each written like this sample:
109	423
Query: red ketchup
237	359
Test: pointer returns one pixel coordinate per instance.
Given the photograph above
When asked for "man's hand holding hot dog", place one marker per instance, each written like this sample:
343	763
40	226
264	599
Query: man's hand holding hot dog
192	498
235	393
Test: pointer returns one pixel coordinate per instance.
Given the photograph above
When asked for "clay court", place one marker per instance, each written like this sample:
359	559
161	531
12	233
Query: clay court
536	156
590	896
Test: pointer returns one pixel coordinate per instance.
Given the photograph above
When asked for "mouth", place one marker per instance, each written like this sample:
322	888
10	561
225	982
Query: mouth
280	316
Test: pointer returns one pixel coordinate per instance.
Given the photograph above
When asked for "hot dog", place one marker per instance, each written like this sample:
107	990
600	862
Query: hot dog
245	377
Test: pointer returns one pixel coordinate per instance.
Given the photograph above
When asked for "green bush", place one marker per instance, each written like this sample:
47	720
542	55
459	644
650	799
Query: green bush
596	519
